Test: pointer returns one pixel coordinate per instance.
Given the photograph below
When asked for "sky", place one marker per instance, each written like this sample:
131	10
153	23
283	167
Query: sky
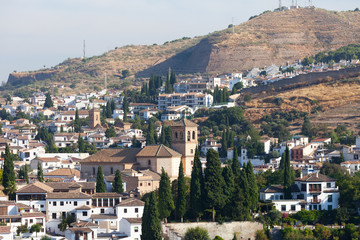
38	33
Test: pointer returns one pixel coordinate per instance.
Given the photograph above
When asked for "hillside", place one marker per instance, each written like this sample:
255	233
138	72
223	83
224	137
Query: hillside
271	38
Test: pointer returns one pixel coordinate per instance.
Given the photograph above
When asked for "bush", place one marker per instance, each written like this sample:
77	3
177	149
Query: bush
260	235
197	234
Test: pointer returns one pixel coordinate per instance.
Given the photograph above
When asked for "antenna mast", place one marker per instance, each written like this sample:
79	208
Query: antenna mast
84	49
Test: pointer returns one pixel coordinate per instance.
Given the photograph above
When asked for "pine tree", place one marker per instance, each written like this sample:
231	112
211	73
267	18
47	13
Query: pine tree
166	203
236	164
287	175
117	185
48	101
100	183
40	174
8	171
253	188
151	226
214	182
181	196
196	187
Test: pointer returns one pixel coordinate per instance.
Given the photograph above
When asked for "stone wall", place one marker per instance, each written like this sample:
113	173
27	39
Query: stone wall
243	230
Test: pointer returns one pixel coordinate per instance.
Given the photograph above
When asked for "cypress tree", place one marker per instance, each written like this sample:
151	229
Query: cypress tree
108	110
224	145
287	175
77	122
196	187
113	105
48	101
100	183
81	144
166	203
229	189
214	182
172	78
40	174
240	206
235	164
168	137
253	188
282	161
8	171
181	196
117	185
151	226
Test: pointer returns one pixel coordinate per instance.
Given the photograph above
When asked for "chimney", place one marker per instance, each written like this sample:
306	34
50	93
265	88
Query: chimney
317	174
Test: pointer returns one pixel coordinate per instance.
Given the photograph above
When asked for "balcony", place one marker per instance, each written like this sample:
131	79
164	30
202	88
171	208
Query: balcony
315	201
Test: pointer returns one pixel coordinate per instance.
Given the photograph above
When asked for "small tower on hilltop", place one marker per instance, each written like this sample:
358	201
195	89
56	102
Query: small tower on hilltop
94	118
185	141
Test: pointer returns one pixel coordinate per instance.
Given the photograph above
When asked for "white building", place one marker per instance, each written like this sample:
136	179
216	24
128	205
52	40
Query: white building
210	143
351	166
193	100
177	113
310	192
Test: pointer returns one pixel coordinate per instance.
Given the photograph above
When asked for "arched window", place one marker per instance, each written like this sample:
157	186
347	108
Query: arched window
188	136
176	135
193	135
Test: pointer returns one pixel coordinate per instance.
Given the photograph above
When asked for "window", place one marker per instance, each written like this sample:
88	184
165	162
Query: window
75	203
188	136
329	207
356	156
54	203
102	210
149	184
140	184
192	151
319	207
330	198
315	207
93	171
176	135
136	229
84	213
111	170
149	162
292	207
303	187
31	220
310	207
41	206
87	203
328	185
61	203
136	210
54	216
193	137
283	207
125	210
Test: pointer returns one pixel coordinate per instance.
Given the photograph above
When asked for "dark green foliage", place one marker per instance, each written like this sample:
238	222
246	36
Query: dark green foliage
46	136
288	177
48	101
66	220
349	52
23	173
165	137
137	123
100	183
35	228
196	187
125	107
181	194
22	229
110	132
238	86
229	189
307	61
196	234
260	235
236	164
40	174
117	185
135	143
108	111
151	135
77	122
151	226
214	182
253	188
166	203
221	96
8	172
218	238
307	128
81	144
125	73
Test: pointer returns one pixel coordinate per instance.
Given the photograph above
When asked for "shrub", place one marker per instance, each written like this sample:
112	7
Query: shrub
197	234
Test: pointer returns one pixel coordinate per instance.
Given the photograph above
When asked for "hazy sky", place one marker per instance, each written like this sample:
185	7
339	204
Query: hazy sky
34	33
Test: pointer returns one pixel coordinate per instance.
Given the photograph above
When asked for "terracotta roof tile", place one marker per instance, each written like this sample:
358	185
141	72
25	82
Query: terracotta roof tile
134	220
5	229
32	214
37	187
61	186
64	172
157	151
80	229
106	194
131	202
184	123
127	155
68	195
315	177
103	216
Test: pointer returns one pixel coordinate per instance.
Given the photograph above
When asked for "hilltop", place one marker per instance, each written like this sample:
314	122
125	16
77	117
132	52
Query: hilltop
270	38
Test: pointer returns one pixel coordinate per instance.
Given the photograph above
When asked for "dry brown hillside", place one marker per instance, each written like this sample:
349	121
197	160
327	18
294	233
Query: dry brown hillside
271	38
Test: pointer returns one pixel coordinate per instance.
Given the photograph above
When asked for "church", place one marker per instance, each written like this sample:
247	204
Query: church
153	157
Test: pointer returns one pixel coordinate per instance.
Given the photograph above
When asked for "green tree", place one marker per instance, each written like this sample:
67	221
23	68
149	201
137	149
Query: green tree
197	233
181	196
48	101
81	144
288	177
125	73
24	173
166	203
8	173
214	182
135	143
117	185
235	164
125	108
35	228
40	174
100	183
22	229
253	187
260	235
196	187
151	226
108	110
306	128
77	123
110	132
229	189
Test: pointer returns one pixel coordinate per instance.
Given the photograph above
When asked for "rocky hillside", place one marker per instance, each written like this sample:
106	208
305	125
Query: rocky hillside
271	38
